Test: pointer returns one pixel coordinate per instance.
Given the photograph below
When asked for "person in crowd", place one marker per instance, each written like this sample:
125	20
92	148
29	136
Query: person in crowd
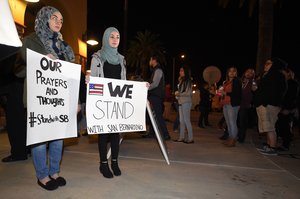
184	95
47	40
296	122
156	96
231	99
215	99
222	125
204	105
81	115
176	109
3	102
167	102
248	85
109	63
11	93
286	116
268	99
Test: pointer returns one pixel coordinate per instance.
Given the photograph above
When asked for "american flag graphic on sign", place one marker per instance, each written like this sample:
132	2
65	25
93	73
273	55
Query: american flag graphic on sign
96	89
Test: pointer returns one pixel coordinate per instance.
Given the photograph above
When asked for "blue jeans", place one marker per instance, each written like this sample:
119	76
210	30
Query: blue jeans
185	121
43	166
231	114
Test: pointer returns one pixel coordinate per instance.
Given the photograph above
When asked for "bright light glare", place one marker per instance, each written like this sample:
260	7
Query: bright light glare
32	1
92	42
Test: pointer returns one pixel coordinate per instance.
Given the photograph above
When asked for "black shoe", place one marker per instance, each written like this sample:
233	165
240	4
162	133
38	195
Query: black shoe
104	169
115	168
224	136
167	137
12	159
201	126
50	185
60	181
189	142
85	134
179	140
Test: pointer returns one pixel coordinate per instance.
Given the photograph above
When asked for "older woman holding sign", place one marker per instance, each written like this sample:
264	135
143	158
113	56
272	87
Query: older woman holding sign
47	40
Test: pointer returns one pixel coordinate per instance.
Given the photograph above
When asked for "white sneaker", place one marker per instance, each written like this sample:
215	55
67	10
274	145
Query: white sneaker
263	148
269	151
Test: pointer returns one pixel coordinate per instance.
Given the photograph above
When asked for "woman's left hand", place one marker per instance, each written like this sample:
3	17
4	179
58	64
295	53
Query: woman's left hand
147	85
87	78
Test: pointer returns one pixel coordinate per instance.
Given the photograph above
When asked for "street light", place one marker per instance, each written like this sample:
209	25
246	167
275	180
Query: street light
92	42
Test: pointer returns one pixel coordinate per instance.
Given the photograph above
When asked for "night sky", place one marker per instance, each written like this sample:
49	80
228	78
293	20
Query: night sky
205	33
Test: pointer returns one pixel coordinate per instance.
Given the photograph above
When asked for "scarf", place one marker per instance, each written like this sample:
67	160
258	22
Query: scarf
108	53
53	41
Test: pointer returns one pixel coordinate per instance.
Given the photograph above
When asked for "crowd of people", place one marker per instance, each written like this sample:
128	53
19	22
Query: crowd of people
268	101
274	95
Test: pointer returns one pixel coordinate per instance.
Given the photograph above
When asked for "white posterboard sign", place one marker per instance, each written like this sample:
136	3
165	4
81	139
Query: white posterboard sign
52	98
115	106
8	31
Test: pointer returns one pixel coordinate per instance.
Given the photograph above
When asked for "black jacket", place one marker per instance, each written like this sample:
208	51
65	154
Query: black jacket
236	93
271	89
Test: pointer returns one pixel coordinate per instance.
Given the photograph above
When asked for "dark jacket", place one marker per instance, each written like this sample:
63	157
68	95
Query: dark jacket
159	91
82	88
236	93
204	98
291	96
271	89
6	70
32	42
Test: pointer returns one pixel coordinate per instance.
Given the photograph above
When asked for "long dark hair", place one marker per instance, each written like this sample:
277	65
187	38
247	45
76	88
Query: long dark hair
186	81
227	71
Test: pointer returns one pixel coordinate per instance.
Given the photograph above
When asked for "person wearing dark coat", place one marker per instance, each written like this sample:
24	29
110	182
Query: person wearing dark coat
204	105
288	111
268	99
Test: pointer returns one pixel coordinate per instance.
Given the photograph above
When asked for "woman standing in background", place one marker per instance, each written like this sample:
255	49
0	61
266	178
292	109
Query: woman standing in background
184	96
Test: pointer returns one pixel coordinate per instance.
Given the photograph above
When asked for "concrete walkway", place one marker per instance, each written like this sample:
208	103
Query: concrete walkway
203	170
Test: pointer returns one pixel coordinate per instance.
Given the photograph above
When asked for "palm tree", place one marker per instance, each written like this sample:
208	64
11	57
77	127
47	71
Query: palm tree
140	50
265	28
265	33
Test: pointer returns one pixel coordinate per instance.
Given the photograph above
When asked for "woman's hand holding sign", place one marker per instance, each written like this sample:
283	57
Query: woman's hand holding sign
87	76
51	56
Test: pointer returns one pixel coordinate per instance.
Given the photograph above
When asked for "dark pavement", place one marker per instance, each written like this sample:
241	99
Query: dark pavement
203	170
